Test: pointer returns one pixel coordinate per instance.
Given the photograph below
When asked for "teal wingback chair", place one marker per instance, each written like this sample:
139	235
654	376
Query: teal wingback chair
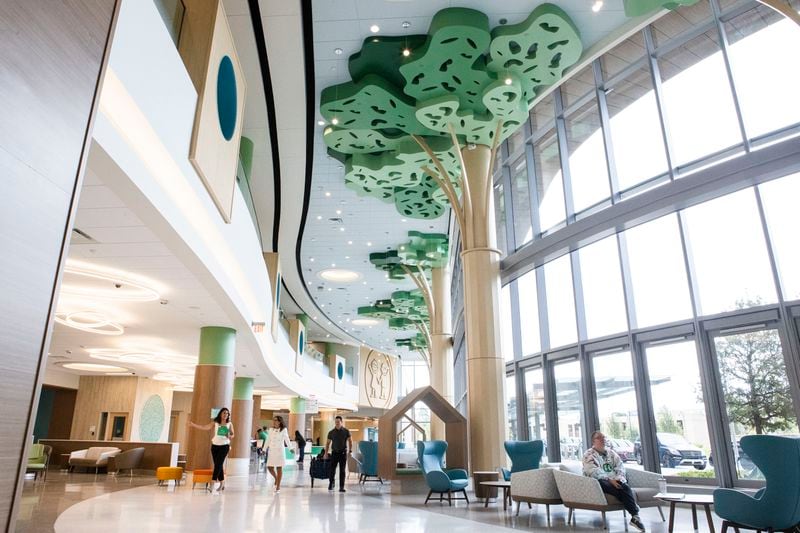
524	455
430	455
776	507
369	461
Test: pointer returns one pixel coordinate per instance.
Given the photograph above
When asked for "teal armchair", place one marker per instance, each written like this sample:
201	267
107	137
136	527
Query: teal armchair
369	462
430	455
776	507
524	455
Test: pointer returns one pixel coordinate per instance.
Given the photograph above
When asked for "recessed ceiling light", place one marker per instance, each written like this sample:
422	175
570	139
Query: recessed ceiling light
341	229
403	220
509	81
349	242
374	28
365	322
597	6
406	24
319	217
338	211
321	122
406	52
311	259
365	283
338	51
334	121
347	257
93	367
327	194
333	265
338	275
369	243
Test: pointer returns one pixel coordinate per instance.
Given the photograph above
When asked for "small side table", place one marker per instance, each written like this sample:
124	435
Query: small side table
482	491
706	500
505	485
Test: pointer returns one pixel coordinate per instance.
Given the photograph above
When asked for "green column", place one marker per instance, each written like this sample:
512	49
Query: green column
243	388
217	346
303	319
297	416
297	405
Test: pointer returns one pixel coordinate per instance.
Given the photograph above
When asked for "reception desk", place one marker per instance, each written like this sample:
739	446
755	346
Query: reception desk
155	453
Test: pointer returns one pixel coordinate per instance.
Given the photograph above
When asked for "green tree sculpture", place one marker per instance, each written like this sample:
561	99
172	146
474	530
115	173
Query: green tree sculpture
413	98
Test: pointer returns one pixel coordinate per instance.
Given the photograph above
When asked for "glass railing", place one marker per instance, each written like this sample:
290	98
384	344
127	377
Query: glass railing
172	12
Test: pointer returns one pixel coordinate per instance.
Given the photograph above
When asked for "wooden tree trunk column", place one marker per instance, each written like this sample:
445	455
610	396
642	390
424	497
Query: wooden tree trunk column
485	363
213	388
441	353
242	418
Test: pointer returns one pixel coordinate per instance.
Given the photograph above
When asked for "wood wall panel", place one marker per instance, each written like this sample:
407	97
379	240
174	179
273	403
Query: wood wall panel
52	58
96	394
213	388
63	413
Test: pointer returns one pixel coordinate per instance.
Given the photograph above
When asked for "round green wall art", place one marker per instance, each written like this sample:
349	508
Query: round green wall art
301	343
226	97
151	423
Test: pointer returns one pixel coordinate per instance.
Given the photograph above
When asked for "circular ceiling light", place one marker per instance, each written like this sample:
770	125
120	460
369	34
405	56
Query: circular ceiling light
365	321
374	28
339	275
90	322
90	281
93	367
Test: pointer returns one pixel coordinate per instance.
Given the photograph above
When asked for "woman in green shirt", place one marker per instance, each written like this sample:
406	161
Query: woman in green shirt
220	444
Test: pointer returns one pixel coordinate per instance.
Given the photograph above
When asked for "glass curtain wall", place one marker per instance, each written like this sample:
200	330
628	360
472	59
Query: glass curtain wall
672	296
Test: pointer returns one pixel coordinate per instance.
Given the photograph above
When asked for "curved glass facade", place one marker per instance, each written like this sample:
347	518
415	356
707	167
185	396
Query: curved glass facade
647	211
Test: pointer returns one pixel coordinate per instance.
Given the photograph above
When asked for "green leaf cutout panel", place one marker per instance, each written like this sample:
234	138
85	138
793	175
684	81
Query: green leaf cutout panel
422	251
635	8
537	50
461	76
414	343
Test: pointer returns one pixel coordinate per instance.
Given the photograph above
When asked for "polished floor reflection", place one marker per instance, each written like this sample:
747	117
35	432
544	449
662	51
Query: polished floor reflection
78	503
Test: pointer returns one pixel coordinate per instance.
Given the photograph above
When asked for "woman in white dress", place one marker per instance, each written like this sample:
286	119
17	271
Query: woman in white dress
277	439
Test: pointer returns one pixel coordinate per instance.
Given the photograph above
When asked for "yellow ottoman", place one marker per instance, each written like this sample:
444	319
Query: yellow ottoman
202	475
165	473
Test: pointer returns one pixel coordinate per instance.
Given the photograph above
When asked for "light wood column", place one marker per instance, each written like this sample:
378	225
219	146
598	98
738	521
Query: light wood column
241	417
297	417
485	364
256	423
213	389
441	344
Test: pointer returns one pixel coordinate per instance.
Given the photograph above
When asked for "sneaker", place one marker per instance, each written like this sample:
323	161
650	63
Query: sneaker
330	487
216	486
342	490
637	523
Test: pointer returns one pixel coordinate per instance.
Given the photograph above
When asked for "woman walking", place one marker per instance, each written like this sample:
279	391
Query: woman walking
301	446
276	458
220	444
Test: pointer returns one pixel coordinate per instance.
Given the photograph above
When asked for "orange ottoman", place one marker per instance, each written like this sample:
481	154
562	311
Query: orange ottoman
202	475
166	473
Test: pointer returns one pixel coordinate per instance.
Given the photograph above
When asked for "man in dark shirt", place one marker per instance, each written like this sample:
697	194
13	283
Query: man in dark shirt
339	446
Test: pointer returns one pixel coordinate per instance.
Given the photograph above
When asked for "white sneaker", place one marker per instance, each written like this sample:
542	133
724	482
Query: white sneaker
216	486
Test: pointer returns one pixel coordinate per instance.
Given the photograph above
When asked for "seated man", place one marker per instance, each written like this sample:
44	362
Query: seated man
605	466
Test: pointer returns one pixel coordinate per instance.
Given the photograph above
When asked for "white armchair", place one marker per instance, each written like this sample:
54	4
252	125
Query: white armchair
535	486
581	492
95	457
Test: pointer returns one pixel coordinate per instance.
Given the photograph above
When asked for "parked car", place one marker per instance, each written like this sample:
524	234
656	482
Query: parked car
624	448
674	450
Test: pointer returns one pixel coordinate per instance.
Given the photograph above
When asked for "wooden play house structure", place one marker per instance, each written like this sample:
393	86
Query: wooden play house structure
455	430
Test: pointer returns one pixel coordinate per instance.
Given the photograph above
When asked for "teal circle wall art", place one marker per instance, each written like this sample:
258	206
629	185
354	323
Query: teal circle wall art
226	97
301	343
340	371
151	423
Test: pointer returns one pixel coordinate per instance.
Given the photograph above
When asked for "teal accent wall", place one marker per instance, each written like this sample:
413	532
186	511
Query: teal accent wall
151	422
44	414
217	346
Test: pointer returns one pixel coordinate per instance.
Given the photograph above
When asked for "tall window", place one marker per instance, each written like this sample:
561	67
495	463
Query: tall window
534	393
522	202
506	330
500	218
413	375
529	314
511	408
603	296
616	402
683	445
549	182
780	207
560	301
756	389
569	403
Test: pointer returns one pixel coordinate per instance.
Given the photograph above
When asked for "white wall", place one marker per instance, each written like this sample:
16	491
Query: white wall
144	125
59	378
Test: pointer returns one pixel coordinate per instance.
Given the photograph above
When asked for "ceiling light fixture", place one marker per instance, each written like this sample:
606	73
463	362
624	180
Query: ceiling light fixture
509	81
338	275
319	217
338	211
327	194
93	367
321	122
90	322
374	28
341	229
406	52
406	24
349	242
338	51
334	121
369	243
365	322
81	279
597	6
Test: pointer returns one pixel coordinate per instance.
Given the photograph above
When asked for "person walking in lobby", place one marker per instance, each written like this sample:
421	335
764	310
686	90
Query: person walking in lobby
339	446
301	447
277	440
220	445
604	465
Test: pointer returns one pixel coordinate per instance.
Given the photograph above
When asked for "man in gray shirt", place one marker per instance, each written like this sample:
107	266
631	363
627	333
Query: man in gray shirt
338	447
